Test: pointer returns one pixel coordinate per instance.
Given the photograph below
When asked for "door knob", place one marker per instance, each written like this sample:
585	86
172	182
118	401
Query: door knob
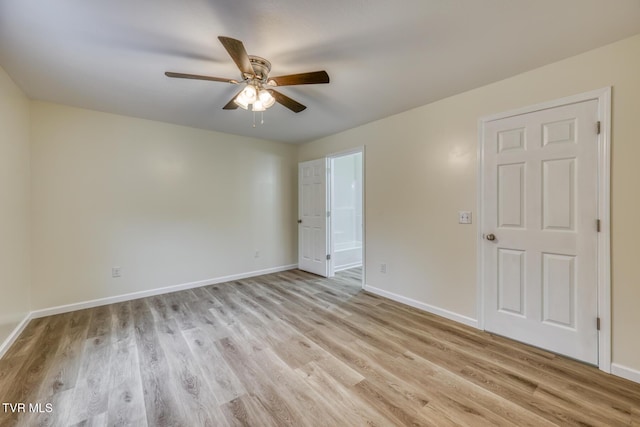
299	221
490	237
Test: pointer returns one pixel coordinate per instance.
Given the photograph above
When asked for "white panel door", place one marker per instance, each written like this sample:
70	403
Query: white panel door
312	219
540	188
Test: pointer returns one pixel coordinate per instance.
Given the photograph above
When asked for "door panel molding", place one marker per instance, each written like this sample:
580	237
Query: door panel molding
557	135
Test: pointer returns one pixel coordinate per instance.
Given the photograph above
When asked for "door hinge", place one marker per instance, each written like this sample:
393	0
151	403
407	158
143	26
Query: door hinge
598	323
598	225
328	214
598	127
328	257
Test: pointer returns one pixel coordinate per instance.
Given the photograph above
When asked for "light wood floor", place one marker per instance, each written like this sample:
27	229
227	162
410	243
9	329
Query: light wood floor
293	349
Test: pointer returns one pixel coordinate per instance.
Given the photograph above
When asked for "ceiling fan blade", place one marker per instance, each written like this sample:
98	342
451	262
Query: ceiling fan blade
301	79
197	77
231	105
236	50
294	106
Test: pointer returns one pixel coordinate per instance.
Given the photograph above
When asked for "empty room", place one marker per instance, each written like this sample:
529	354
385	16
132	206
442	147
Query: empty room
319	213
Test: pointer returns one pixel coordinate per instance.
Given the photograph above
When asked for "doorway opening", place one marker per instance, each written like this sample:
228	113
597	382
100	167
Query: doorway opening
346	231
331	216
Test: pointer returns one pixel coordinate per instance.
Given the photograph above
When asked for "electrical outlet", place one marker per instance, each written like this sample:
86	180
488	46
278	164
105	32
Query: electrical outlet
383	268
464	217
116	272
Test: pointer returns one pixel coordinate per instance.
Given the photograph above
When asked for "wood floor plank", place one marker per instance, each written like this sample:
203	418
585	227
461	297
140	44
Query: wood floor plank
353	410
225	383
91	397
387	403
126	397
293	348
292	388
246	369
179	310
247	411
161	405
194	393
336	369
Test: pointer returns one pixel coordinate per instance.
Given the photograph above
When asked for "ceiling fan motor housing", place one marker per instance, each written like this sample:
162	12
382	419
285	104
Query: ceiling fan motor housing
261	67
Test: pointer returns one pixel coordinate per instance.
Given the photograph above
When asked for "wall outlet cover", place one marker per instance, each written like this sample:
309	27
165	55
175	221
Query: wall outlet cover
464	217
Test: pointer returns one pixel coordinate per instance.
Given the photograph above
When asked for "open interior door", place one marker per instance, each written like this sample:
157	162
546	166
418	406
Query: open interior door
313	217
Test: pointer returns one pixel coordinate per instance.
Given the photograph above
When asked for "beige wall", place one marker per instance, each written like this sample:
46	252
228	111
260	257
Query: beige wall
167	204
421	169
14	205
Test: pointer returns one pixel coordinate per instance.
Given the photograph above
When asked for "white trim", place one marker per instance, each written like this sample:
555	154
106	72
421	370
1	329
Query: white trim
355	150
152	292
364	215
603	96
423	306
625	372
572	99
479	222
330	203
604	237
4	346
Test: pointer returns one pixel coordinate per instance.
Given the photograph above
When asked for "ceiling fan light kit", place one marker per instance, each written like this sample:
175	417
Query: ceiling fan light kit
256	96
258	93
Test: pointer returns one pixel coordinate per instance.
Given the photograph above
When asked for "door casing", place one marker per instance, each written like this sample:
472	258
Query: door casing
603	96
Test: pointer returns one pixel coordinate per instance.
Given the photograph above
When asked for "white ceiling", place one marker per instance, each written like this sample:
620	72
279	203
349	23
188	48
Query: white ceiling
383	56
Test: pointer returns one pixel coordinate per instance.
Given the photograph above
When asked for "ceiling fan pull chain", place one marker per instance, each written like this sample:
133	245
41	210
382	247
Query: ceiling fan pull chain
261	118
254	119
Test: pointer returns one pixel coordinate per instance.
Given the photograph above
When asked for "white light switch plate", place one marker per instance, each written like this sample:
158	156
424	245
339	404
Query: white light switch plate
464	217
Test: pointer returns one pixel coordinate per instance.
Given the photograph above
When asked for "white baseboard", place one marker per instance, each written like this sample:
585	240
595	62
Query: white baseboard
4	346
152	292
624	372
423	306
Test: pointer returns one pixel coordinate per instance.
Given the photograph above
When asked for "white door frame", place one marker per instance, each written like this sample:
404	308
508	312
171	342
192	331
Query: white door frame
330	158
603	96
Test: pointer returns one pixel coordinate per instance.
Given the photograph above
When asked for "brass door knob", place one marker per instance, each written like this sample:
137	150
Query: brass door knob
490	237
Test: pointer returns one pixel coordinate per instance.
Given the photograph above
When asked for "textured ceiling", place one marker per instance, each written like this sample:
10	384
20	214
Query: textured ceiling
384	57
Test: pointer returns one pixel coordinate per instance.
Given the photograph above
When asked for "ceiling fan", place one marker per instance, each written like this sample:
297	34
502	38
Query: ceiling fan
258	92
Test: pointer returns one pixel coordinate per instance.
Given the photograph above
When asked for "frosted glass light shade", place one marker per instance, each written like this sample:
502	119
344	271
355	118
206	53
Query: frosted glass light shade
250	94
241	101
266	98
